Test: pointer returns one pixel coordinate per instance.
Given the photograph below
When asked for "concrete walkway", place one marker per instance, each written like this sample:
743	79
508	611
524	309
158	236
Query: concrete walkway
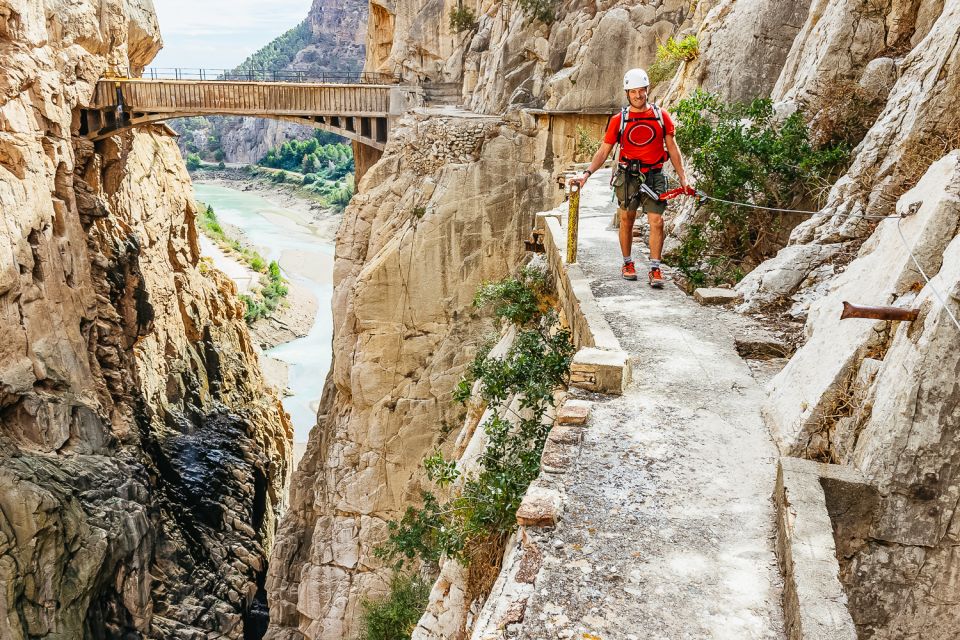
669	525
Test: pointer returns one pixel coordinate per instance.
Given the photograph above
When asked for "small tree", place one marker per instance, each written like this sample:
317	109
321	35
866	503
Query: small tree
193	162
543	10
462	19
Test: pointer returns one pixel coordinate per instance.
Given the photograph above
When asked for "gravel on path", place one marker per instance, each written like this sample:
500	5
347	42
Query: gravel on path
668	530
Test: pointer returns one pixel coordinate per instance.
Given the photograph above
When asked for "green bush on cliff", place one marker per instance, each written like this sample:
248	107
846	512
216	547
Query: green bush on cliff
484	509
543	10
670	55
394	616
462	19
193	162
741	152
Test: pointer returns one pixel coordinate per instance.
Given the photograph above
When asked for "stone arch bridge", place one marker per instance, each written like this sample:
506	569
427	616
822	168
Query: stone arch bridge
357	106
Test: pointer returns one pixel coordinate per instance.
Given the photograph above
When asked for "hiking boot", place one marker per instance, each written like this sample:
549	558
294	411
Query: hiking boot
656	278
629	272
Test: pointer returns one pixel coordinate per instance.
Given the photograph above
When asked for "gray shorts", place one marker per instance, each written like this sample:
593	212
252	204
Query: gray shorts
629	195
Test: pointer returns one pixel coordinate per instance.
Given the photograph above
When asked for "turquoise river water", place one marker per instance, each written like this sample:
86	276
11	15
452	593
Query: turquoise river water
305	258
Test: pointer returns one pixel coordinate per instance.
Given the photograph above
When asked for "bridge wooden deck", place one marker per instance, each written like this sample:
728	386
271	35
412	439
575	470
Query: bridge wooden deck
356	111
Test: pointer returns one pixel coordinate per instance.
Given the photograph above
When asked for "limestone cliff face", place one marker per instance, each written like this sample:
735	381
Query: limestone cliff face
509	60
338	44
903	56
447	207
142	457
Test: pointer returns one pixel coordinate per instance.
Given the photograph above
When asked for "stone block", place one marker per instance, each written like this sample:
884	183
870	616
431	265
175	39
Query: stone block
600	371
540	508
556	456
709	295
567	435
814	600
574	412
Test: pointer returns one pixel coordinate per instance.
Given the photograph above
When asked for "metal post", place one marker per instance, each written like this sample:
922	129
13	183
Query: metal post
573	223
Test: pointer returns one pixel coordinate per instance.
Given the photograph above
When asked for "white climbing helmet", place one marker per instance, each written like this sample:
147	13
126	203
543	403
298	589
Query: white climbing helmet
635	79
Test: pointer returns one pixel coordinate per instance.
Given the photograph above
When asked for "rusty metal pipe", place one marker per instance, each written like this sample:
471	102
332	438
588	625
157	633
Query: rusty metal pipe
878	313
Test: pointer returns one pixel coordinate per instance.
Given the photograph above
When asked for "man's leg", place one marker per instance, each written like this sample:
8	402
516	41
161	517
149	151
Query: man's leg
627	219
656	248
656	235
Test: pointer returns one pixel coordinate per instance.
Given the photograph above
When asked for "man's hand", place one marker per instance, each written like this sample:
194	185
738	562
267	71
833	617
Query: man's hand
579	181
683	182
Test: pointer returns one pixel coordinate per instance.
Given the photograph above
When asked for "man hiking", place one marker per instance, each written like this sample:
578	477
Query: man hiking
645	134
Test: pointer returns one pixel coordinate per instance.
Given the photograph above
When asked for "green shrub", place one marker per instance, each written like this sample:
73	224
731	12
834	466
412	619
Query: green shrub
255	309
534	366
193	162
462	19
517	300
670	55
221	165
395	616
279	176
587	145
740	152
543	10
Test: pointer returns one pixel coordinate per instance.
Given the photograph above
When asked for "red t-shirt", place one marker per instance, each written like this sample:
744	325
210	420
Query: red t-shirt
643	138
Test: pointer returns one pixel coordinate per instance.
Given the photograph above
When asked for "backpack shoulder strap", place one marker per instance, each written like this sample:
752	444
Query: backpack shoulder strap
658	114
623	125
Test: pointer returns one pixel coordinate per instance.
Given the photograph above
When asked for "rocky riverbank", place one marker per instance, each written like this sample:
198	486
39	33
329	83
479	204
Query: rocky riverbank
287	195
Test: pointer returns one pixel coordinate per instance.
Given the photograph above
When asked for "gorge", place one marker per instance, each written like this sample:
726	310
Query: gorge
144	461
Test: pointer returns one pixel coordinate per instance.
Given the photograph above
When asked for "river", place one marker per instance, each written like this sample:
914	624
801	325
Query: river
305	257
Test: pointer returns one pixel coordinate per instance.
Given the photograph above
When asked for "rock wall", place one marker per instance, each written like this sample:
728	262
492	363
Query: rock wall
142	457
447	207
509	60
883	396
912	72
730	35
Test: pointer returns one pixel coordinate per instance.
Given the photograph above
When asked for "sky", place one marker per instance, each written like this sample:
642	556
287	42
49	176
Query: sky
220	34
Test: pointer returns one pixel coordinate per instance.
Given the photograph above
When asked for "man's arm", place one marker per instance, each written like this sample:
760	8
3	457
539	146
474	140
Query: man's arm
598	159
676	159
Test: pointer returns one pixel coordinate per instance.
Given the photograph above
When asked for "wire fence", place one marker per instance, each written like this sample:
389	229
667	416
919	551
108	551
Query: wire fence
264	75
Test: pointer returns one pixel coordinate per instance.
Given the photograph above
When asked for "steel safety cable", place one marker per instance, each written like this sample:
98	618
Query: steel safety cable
936	293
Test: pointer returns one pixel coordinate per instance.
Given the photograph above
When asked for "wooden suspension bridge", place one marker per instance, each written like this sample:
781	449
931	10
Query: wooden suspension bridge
357	106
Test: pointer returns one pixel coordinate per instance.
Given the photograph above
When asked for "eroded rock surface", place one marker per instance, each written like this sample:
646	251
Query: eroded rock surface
510	60
917	124
142	456
439	214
